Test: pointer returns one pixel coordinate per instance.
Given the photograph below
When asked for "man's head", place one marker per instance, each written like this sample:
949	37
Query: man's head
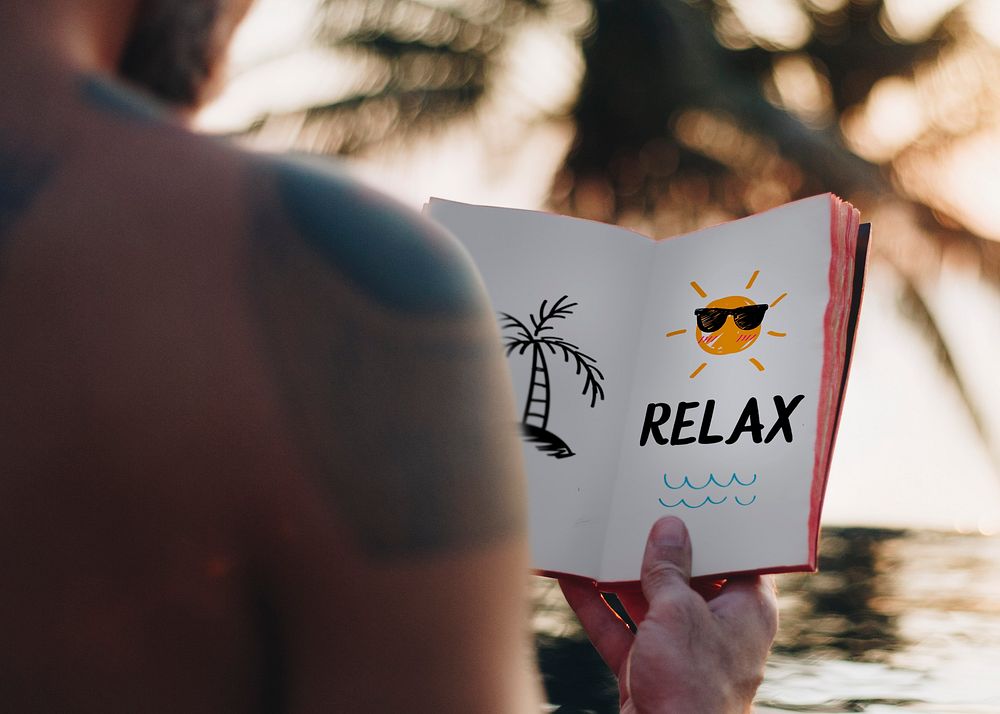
175	47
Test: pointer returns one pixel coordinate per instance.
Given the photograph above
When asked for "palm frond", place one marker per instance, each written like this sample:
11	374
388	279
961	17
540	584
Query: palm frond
559	311
915	307
949	233
430	63
508	321
354	124
520	345
584	364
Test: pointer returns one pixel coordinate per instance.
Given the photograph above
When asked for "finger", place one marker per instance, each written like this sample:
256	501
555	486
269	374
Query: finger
749	605
607	632
736	592
666	565
708	587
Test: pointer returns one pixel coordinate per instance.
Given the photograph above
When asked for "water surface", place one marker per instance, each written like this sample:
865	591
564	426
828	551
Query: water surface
895	621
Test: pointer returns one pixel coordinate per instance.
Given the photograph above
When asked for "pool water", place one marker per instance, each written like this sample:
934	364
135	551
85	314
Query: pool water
895	621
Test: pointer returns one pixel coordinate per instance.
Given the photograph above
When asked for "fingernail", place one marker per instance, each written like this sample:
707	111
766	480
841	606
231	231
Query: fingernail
670	531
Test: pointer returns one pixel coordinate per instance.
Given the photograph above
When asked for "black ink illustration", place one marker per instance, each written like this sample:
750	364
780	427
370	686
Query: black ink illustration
535	421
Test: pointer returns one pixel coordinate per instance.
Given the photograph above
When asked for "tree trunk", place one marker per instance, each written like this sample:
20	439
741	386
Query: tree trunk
536	409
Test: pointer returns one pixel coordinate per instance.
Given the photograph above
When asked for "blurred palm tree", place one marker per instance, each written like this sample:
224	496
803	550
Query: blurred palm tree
689	113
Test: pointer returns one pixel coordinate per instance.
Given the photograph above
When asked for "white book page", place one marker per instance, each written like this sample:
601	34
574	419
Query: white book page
527	258
746	504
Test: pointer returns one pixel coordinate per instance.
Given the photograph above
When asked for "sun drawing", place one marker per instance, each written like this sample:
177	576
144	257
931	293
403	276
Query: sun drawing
729	325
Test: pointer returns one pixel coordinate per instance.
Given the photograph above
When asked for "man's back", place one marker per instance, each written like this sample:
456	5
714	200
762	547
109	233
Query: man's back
257	447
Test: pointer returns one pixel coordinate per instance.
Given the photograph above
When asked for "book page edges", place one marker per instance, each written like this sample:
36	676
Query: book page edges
839	329
859	278
626	586
831	358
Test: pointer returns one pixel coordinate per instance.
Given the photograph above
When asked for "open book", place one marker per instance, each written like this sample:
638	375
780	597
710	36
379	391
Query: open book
700	377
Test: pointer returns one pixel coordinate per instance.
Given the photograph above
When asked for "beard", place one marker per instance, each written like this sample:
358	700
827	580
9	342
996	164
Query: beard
173	48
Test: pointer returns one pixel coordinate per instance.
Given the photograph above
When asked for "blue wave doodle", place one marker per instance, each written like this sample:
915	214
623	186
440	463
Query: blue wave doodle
748	502
736	478
711	479
682	502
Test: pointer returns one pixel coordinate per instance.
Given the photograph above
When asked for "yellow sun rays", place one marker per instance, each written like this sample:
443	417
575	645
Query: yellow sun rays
771	333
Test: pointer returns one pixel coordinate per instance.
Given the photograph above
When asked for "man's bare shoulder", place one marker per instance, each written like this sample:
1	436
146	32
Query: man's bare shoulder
371	322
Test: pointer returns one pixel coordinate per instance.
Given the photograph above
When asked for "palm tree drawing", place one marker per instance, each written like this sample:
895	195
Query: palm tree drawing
535	421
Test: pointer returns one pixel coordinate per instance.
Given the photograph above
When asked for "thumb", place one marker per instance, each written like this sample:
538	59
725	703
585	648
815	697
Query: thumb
666	565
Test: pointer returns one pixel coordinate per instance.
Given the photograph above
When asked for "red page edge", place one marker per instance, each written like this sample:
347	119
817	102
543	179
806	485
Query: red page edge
861	255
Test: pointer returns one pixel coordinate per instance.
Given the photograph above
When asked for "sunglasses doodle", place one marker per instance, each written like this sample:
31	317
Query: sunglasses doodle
730	324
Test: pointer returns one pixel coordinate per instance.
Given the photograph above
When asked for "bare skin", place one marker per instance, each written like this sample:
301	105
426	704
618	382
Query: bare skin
257	437
688	655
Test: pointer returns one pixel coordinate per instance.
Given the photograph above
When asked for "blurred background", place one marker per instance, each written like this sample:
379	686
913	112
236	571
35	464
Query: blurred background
670	115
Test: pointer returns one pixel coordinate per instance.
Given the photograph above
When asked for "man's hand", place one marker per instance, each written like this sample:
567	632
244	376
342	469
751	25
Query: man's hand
689	654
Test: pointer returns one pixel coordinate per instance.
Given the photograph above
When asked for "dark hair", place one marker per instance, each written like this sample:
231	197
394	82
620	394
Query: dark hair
172	48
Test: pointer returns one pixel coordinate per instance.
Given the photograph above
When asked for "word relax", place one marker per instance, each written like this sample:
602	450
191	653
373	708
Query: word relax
658	414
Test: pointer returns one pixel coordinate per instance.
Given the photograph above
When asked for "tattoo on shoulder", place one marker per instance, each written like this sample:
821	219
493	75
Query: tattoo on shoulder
406	432
112	98
23	174
384	251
